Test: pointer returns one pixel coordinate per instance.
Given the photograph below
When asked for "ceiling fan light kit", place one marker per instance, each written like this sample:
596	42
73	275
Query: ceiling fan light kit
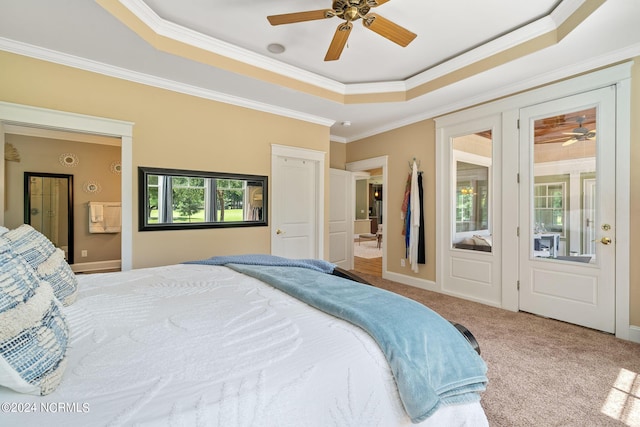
349	11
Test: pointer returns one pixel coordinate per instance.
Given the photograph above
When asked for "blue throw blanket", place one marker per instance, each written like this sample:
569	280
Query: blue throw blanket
433	364
264	259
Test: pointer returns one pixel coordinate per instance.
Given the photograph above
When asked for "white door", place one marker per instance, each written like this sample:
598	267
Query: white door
565	145
340	233
294	230
469	198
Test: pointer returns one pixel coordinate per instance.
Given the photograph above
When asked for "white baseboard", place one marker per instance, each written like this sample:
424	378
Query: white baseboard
634	333
432	286
411	281
84	267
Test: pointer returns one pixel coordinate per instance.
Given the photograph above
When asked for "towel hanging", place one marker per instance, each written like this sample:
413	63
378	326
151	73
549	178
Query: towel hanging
105	217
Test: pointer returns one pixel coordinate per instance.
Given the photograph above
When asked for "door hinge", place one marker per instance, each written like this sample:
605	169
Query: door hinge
518	123
518	283
518	177
518	231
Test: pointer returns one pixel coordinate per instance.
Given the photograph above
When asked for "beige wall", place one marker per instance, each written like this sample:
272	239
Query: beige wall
171	130
402	145
419	140
338	158
42	155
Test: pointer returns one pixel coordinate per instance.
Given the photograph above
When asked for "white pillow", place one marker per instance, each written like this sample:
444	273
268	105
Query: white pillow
482	240
46	260
33	332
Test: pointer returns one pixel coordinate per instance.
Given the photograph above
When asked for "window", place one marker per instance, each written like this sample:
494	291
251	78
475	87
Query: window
472	193
549	208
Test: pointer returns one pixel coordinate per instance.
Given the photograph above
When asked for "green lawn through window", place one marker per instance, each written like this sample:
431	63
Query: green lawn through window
230	215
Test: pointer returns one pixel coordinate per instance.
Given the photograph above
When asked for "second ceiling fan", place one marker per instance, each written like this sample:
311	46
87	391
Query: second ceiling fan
349	11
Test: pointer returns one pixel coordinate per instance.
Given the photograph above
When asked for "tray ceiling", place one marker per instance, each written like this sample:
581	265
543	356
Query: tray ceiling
464	53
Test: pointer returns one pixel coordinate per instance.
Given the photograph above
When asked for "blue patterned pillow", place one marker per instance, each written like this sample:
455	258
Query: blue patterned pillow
33	332
46	260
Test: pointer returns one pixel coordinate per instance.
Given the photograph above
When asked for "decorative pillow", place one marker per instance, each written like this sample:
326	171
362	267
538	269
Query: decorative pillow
33	332
482	240
46	260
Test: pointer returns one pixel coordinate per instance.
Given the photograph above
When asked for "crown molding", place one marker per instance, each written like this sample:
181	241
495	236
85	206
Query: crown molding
586	66
565	9
210	44
56	57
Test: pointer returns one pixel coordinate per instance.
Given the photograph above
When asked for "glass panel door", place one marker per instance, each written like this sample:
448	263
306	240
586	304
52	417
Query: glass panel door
567	209
564	156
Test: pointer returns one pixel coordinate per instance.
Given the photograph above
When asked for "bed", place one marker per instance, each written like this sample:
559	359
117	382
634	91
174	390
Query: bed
214	345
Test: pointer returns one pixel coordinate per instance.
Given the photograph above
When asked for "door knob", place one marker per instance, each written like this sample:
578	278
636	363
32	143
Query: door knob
278	231
604	240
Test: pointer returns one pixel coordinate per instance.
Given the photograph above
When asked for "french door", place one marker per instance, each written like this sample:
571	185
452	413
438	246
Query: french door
567	209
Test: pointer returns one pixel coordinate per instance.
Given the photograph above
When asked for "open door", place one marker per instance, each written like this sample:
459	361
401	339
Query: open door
340	221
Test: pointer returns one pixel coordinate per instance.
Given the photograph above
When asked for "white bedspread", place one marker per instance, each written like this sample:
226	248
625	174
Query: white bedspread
195	345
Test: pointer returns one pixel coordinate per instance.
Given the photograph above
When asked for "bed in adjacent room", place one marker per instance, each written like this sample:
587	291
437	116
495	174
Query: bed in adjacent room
215	345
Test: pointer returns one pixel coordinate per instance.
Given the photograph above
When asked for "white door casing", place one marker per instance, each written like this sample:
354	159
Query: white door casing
298	202
340	229
18	114
558	286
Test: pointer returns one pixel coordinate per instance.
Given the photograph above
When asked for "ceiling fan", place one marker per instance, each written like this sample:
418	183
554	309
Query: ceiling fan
349	11
580	133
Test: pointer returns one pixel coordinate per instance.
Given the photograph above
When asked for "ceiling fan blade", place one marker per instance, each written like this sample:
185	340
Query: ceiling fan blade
569	142
290	18
555	140
388	29
339	40
376	3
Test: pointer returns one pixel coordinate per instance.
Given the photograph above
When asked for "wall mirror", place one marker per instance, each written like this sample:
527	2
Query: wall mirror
48	207
173	199
472	161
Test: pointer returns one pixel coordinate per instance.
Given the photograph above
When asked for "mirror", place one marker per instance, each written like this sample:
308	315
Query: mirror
173	199
472	156
48	208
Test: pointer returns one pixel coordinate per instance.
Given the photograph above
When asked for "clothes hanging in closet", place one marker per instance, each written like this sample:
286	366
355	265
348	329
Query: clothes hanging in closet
413	226
422	256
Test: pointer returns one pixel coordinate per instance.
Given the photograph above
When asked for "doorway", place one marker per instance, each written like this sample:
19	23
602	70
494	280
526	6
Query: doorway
29	116
368	226
369	209
567	209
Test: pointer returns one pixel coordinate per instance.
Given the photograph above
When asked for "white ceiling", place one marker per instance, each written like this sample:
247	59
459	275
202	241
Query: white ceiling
451	34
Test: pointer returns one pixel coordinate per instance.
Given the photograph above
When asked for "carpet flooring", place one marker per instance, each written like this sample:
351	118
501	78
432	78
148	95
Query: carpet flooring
543	372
